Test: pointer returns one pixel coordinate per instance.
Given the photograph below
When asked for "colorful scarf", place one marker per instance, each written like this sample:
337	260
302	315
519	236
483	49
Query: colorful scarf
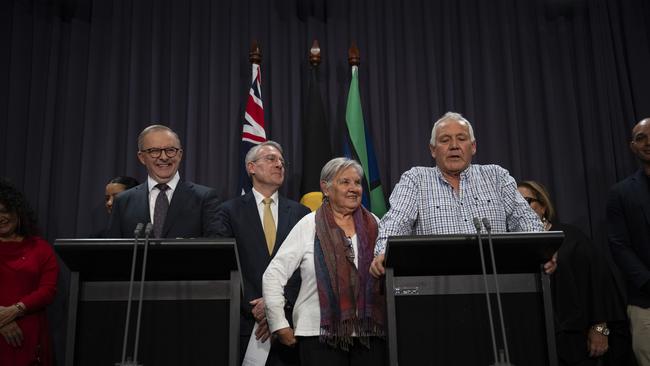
351	300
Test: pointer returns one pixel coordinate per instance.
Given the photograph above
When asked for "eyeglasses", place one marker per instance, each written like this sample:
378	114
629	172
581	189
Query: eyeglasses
272	159
530	200
155	152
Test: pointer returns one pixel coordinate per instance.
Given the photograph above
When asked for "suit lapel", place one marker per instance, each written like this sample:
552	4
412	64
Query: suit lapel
143	201
176	206
251	212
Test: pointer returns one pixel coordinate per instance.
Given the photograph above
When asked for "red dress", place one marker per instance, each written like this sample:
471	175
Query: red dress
28	273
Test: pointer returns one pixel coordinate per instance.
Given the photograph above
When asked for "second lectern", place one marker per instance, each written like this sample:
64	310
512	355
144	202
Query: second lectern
436	305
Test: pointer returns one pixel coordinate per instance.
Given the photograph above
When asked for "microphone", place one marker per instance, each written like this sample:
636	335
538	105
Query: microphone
136	235
477	225
138	230
488	228
147	232
487	225
148	229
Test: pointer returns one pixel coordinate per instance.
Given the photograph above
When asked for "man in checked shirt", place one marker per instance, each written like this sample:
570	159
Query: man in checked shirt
445	199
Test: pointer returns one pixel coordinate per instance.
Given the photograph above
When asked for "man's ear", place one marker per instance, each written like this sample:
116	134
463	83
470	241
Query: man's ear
433	151
141	157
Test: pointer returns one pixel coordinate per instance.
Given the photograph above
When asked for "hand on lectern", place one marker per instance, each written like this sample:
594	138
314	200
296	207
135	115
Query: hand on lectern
377	266
286	337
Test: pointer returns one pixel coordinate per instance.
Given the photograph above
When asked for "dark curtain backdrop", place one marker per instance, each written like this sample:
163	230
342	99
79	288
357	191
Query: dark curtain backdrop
553	88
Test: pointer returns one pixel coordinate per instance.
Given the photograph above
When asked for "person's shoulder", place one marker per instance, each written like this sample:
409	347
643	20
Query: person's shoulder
306	220
199	188
132	191
236	202
294	204
490	169
628	188
40	243
419	172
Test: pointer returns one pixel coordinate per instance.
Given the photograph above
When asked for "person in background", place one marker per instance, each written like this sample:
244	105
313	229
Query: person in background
339	315
584	293
28	278
628	231
115	186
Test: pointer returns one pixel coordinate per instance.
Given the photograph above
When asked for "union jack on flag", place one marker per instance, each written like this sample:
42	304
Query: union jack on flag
253	132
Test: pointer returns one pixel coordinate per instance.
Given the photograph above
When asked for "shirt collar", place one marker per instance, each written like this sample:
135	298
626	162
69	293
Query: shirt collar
259	197
151	183
464	175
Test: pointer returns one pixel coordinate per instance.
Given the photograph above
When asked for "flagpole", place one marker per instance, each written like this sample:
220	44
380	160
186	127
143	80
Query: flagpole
354	58
255	55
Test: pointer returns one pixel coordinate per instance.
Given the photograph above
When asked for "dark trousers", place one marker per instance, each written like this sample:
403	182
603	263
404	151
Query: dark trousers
314	353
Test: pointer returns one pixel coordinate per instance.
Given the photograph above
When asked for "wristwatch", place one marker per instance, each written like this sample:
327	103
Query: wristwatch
602	329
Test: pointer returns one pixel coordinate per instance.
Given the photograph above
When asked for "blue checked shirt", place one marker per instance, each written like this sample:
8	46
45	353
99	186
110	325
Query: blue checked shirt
423	203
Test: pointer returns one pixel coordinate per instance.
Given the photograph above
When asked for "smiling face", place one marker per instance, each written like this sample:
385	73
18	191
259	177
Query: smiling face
267	170
345	191
163	168
8	223
454	149
640	143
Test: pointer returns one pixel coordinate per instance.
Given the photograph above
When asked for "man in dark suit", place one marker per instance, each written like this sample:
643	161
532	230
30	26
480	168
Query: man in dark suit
251	219
176	208
628	219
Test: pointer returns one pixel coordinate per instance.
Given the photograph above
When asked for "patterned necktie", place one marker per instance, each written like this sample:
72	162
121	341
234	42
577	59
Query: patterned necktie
160	210
269	225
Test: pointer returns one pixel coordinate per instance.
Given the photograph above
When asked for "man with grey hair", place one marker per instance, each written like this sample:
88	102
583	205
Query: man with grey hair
445	199
176	208
260	220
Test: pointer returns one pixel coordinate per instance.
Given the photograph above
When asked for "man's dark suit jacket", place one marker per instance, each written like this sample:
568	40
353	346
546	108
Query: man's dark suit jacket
192	212
240	219
628	228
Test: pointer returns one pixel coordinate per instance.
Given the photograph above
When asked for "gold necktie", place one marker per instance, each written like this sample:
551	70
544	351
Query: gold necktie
269	225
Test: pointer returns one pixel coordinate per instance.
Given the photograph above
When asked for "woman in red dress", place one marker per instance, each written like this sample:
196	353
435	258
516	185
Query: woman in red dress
28	274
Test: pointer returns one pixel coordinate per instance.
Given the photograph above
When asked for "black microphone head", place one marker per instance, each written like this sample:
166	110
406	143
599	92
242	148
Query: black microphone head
148	229
487	225
477	224
138	229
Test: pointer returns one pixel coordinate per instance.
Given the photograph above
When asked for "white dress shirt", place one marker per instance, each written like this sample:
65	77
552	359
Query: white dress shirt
260	206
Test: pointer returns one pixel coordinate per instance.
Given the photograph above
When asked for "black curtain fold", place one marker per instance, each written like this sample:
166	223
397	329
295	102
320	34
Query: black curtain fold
552	88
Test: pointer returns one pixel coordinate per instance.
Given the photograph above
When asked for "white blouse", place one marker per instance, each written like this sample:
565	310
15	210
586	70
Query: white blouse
297	250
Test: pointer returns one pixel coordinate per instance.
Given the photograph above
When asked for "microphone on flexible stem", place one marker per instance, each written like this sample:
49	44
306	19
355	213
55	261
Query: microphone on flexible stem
477	225
488	228
136	235
147	232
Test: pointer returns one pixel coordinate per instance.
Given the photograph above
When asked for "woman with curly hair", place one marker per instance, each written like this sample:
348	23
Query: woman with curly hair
28	275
